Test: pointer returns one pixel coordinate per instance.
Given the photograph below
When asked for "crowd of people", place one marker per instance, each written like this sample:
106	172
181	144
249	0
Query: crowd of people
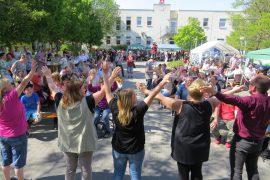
82	87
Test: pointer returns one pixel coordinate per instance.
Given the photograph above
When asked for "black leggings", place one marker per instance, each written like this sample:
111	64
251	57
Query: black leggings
195	169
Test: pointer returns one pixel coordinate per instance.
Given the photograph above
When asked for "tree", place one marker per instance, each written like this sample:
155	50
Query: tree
16	22
189	35
81	24
107	12
56	21
252	25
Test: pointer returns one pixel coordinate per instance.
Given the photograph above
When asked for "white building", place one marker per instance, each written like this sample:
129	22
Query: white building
145	26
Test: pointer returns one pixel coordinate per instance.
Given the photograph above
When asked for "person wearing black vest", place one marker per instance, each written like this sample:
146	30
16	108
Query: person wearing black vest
190	140
129	138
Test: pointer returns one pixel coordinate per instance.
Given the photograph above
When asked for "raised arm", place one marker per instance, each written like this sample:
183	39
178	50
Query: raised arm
148	100
228	96
108	81
12	69
173	104
47	73
26	79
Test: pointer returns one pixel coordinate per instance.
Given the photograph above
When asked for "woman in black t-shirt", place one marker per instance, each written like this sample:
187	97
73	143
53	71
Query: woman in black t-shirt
190	140
128	139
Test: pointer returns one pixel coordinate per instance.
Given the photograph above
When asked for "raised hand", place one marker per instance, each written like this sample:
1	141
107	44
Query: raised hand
166	78
115	72
34	66
142	87
46	71
237	89
105	67
208	90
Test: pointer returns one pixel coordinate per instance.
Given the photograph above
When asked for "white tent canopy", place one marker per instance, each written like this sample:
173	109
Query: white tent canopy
211	49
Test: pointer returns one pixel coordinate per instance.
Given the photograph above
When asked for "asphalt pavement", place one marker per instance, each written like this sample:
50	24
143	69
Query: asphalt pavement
46	162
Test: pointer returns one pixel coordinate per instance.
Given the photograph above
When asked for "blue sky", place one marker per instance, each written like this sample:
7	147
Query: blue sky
178	4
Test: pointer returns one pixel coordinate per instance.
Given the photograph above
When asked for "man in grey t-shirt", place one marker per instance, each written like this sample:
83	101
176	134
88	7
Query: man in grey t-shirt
149	72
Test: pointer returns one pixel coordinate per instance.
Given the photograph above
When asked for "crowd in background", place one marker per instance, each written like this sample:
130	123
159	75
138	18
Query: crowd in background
86	82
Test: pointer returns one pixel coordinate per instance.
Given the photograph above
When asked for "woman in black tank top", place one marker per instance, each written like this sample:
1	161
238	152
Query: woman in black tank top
190	140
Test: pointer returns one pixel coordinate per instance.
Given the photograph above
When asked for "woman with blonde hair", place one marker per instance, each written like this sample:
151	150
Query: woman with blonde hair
13	126
191	129
129	138
77	137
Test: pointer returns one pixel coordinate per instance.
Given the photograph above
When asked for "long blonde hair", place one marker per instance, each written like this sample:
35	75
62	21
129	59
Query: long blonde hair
3	84
194	89
125	104
71	94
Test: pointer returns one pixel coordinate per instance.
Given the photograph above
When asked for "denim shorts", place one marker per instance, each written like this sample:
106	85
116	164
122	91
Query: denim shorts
31	114
14	151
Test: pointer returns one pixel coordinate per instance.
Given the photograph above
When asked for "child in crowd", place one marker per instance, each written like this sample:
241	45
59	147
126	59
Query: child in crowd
57	81
31	104
223	123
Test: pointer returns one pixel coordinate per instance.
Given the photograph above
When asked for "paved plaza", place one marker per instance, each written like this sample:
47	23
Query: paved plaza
46	162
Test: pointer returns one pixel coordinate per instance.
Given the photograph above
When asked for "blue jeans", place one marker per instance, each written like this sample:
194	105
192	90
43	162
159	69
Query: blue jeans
130	70
149	84
14	150
165	92
105	117
120	164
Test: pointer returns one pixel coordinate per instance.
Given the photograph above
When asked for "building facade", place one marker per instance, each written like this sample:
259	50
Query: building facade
160	24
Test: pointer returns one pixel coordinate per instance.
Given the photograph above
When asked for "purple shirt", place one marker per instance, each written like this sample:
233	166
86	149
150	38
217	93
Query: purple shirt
253	116
103	104
12	116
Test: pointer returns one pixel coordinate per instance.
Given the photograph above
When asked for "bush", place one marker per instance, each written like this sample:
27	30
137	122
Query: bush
64	47
175	63
122	46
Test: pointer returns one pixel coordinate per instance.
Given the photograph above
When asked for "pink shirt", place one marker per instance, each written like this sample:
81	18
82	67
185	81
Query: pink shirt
12	116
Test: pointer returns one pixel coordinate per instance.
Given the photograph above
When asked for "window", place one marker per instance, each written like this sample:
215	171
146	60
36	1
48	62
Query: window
128	38
148	40
118	24
118	40
205	22
139	21
220	39
171	41
149	21
108	39
138	40
222	23
128	23
173	25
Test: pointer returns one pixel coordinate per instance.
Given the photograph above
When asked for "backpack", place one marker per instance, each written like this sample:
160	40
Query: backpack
101	129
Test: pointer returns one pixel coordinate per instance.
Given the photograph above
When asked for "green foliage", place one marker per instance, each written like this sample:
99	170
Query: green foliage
65	46
56	21
107	13
16	22
189	35
122	46
175	63
252	26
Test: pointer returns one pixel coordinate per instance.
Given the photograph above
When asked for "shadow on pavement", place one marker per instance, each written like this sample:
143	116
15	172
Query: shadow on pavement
44	136
107	176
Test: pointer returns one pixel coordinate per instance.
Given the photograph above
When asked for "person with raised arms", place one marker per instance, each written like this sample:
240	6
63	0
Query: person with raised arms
129	137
